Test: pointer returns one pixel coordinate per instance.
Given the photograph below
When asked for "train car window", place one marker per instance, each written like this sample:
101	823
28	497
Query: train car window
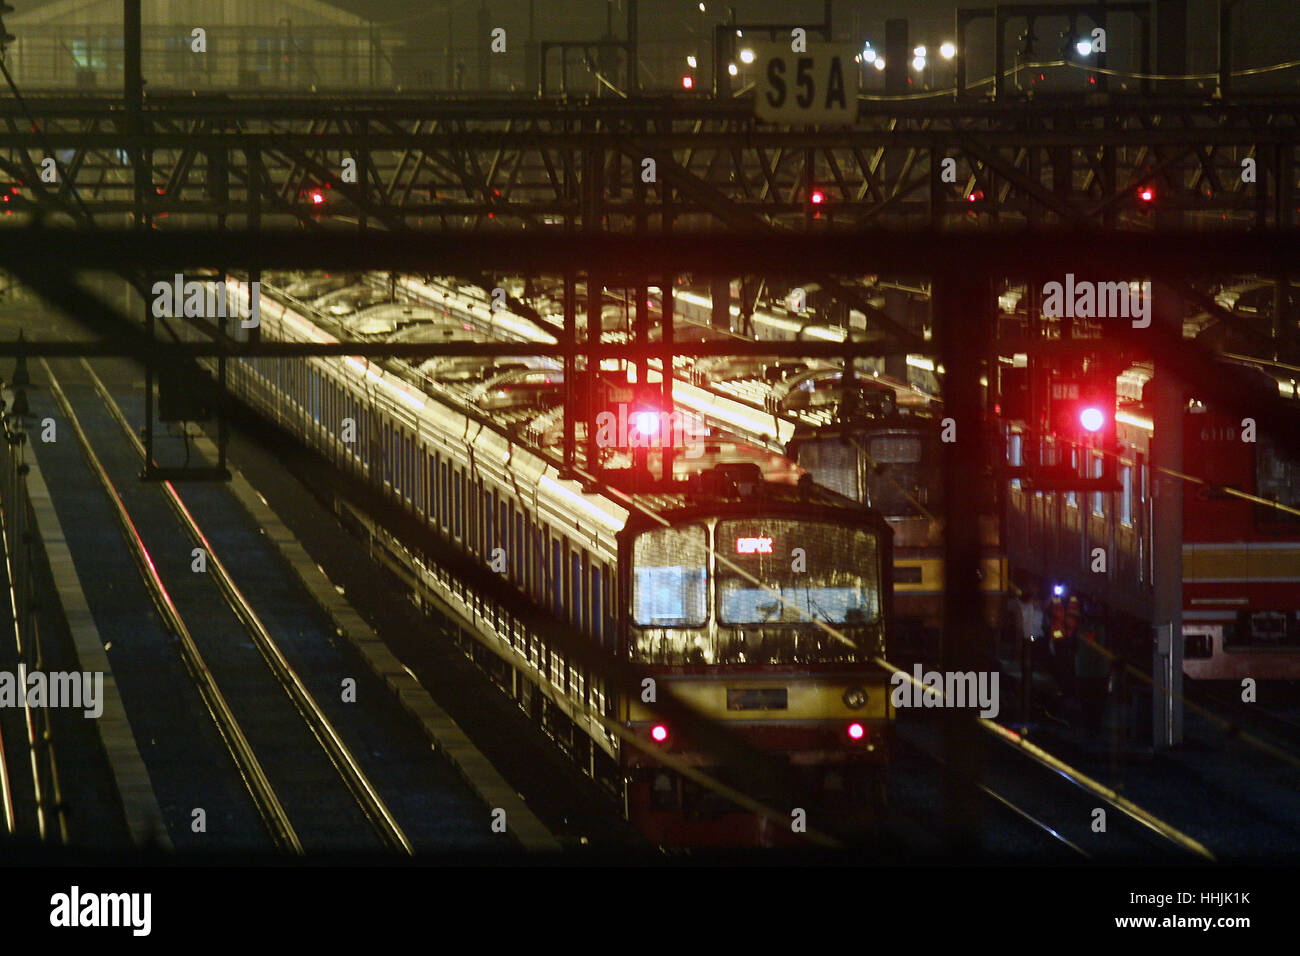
1277	478
1098	497
1126	495
471	513
598	602
1261	630
507	538
841	581
577	611
539	563
444	493
457	509
399	454
520	558
588	595
1016	455
557	576
669	577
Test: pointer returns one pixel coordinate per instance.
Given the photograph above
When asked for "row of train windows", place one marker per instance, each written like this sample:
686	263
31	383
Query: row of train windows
1124	498
541	563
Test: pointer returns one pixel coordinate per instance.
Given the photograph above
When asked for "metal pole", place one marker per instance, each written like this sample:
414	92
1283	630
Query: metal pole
962	311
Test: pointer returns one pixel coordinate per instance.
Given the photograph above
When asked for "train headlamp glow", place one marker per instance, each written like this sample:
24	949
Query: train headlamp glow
855	698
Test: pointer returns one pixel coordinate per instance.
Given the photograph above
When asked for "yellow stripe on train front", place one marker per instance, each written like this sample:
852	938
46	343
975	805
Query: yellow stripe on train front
993	578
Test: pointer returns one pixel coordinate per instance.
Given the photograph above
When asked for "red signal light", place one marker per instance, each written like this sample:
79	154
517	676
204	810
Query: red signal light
1147	194
856	731
317	197
659	733
647	423
1092	419
817	197
688	82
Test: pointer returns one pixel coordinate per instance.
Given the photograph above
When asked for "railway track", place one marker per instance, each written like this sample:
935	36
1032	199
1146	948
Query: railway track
311	778
1029	806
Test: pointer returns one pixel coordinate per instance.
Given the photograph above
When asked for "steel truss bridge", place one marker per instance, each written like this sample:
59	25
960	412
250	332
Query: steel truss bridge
562	165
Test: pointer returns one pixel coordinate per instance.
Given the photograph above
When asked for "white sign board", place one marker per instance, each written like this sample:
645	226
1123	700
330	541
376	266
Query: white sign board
819	86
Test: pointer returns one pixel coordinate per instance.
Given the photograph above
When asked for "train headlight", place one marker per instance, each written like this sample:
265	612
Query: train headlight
855	698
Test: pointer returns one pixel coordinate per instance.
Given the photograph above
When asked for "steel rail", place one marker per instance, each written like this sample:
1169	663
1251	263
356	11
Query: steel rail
366	794
255	778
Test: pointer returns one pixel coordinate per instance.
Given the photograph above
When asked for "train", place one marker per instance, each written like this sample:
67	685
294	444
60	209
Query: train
1240	557
759	604
884	450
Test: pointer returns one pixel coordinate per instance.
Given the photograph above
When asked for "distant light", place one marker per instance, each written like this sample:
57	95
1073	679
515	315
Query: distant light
879	63
739	33
317	197
1146	193
869	55
732	69
817	197
1058	589
701	8
688	82
1083	47
947	49
746	55
918	51
856	731
1092	419
659	733
691	62
918	63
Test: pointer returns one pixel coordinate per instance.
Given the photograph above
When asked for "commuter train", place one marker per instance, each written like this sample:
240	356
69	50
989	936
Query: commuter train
1240	558
724	591
886	452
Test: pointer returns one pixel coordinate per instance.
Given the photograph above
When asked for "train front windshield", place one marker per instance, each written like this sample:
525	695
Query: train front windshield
788	572
759	600
901	472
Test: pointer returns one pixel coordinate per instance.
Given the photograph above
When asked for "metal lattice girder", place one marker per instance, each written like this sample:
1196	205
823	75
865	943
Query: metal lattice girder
424	164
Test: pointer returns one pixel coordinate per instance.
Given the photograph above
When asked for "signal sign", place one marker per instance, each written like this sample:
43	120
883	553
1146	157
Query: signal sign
819	86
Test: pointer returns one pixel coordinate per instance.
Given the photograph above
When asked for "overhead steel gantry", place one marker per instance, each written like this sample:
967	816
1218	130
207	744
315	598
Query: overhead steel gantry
433	164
